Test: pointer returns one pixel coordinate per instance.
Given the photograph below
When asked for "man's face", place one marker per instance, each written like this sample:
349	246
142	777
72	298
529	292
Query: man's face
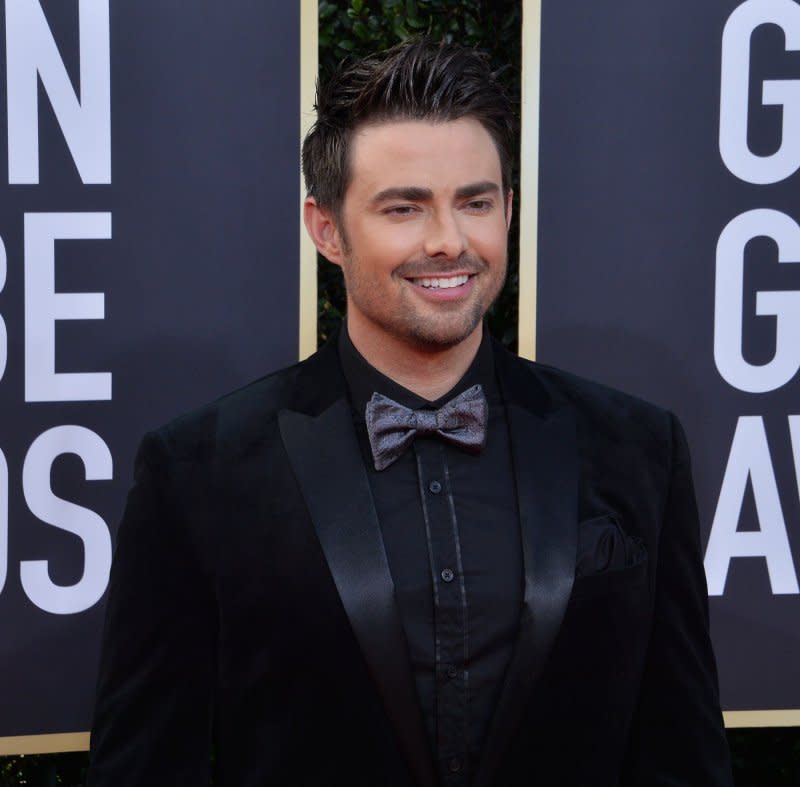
424	229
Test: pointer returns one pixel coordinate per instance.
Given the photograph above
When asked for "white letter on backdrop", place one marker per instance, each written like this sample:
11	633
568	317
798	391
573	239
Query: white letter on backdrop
794	432
750	458
729	303
733	115
43	306
32	54
86	524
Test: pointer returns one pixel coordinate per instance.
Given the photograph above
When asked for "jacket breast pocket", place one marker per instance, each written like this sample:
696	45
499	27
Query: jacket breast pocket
608	560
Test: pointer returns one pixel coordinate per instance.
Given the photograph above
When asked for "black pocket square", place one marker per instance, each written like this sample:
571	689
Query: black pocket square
604	546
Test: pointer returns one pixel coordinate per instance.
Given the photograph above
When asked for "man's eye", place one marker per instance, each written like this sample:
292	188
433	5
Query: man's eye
400	210
479	204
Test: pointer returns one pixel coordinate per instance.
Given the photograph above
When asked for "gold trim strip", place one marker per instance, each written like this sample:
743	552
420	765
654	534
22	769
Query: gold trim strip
761	718
79	741
44	744
529	176
309	63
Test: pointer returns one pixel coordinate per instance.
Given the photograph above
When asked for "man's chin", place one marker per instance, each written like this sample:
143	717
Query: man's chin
436	337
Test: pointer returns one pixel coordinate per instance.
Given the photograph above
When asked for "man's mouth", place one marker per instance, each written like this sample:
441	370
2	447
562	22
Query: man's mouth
441	282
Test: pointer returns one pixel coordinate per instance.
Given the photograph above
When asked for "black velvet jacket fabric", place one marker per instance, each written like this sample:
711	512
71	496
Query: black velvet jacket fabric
252	628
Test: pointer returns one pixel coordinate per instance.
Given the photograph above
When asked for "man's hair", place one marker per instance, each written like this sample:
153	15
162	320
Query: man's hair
420	79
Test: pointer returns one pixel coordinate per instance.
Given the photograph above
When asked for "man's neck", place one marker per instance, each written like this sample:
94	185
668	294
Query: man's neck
429	373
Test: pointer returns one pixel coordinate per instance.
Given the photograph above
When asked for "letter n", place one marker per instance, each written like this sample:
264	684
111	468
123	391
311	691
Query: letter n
31	55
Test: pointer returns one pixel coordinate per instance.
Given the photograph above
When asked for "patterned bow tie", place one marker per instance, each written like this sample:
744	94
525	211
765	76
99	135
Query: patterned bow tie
393	427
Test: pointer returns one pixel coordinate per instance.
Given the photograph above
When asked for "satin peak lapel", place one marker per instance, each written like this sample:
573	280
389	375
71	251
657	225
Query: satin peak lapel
544	452
327	463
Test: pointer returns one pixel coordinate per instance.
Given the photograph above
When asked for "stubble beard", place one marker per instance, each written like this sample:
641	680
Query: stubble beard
424	332
427	334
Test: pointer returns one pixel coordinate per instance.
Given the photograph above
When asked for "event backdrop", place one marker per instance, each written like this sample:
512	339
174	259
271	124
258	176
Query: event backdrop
149	225
669	266
149	261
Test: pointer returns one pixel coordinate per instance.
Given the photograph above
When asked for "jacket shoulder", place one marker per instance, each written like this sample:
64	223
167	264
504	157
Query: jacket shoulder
247	411
602	409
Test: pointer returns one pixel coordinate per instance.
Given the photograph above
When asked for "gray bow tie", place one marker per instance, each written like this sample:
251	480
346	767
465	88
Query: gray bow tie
392	427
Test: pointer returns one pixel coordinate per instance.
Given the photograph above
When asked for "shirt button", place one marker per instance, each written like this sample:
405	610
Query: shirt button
435	487
447	575
454	765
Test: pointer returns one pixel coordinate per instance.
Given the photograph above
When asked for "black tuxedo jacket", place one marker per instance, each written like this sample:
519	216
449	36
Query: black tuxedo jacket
252	629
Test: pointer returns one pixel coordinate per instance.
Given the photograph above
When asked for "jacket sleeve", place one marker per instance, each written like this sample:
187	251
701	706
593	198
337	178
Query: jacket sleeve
678	737
153	712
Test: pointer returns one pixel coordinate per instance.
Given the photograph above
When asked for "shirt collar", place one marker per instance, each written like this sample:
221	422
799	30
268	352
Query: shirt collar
363	379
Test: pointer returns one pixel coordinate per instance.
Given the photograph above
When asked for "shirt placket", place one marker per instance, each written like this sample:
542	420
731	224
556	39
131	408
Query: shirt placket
450	611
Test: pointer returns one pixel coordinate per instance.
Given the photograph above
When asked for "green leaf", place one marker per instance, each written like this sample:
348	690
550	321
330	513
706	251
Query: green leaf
471	26
358	6
400	30
326	10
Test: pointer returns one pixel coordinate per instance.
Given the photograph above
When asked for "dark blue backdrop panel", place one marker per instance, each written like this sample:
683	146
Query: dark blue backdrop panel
194	260
634	195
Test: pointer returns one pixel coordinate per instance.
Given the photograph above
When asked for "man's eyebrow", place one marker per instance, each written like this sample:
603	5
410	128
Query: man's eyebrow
474	189
420	194
410	193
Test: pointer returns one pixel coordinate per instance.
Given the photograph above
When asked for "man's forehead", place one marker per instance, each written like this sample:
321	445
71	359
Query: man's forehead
423	150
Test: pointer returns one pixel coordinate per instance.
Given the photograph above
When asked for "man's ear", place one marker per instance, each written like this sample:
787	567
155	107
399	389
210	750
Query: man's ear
321	226
509	203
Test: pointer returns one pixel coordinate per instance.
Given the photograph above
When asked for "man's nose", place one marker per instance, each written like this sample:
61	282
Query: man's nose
444	236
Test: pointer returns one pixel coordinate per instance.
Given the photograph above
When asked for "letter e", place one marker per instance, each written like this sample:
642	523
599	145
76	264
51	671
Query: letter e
43	306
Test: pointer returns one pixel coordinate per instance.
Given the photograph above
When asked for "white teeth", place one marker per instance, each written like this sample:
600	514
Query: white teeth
442	283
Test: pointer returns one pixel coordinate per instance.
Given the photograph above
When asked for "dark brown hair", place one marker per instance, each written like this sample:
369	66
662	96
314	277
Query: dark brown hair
420	79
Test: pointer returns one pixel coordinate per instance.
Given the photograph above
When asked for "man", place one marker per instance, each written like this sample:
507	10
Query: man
413	559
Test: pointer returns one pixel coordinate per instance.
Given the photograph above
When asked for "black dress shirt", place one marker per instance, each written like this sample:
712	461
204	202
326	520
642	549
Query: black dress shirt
450	527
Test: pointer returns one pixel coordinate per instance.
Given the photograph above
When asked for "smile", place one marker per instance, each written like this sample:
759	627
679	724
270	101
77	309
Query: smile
442	282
